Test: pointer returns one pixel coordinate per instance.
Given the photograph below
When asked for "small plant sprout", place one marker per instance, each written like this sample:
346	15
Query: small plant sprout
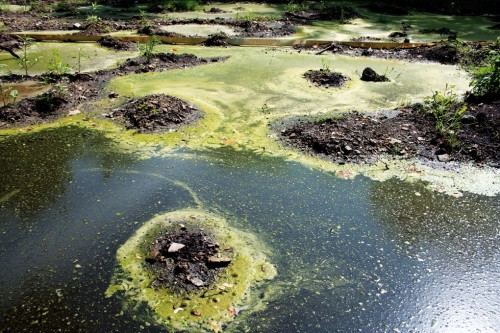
148	48
14	94
79	61
56	66
326	65
24	61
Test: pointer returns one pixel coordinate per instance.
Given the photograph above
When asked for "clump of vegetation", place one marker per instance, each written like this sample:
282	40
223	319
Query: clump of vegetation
57	66
326	10
447	109
40	6
181	5
486	79
295	6
148	48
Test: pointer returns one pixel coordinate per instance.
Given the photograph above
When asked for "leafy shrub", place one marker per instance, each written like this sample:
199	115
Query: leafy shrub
40	6
486	79
448	110
181	5
148	48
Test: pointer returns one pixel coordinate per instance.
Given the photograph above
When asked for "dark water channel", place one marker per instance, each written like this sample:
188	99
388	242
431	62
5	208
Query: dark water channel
352	255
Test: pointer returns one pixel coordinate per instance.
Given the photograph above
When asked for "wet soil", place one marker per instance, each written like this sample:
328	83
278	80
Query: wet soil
405	133
115	44
72	90
186	261
326	78
155	113
443	53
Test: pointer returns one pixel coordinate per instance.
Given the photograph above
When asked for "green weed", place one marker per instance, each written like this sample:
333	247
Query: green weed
24	61
447	110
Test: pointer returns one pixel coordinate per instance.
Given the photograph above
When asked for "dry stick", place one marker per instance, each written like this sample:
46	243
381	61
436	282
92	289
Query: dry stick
329	47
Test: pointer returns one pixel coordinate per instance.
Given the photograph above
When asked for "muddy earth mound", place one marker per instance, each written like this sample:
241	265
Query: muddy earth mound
155	113
357	137
185	261
326	78
218	39
115	44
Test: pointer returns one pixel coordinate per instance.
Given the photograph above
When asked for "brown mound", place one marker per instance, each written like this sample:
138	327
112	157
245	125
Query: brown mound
326	78
411	133
115	44
156	113
218	39
185	261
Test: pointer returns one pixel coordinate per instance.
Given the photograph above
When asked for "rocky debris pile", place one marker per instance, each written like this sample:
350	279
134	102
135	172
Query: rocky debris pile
155	113
185	261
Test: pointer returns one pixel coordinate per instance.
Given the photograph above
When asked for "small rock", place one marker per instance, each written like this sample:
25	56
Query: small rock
370	75
443	158
175	247
219	262
196	281
397	34
469	119
73	112
112	95
77	25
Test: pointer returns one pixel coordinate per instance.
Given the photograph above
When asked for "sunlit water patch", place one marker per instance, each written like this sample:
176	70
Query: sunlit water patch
351	254
201	30
82	57
468	28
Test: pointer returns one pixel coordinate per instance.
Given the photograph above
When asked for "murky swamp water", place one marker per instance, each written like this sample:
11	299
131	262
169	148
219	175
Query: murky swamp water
352	255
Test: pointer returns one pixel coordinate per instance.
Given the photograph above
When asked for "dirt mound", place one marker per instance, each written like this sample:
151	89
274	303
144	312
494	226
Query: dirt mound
358	137
115	44
218	39
156	113
43	107
185	261
326	78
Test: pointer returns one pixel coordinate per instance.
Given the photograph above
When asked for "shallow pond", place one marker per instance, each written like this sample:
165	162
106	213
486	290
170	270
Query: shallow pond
352	255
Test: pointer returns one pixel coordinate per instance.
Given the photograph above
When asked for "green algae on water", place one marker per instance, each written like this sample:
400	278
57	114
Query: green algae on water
204	310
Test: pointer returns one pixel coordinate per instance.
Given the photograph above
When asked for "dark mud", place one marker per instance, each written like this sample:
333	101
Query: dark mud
115	44
407	133
155	113
326	78
186	261
443	53
72	90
